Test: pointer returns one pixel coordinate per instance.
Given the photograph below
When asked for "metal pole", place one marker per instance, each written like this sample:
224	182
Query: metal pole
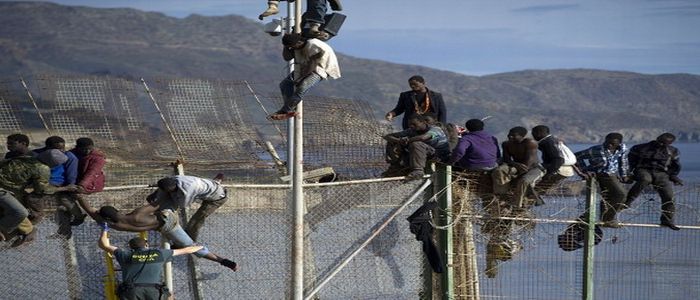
291	25
374	234
443	186
31	99
297	176
162	117
588	262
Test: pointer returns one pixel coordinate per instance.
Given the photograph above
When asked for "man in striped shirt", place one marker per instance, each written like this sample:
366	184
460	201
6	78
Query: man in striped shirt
608	164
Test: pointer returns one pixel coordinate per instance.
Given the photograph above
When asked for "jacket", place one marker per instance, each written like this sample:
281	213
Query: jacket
90	174
405	106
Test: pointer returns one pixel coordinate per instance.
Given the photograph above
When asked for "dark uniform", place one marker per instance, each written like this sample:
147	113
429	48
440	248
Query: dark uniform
141	273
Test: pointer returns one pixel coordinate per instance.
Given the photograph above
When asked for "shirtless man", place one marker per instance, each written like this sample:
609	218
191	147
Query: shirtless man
520	168
147	218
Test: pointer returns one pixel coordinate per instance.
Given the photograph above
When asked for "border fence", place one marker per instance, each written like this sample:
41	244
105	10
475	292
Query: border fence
215	126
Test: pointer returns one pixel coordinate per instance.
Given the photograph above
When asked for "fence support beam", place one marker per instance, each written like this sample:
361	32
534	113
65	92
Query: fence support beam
590	219
443	189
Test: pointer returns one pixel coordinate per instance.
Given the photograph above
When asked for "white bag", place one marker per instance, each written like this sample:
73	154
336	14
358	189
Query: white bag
566	153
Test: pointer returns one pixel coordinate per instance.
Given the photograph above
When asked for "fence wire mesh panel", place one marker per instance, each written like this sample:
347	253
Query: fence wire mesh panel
500	258
218	126
341	218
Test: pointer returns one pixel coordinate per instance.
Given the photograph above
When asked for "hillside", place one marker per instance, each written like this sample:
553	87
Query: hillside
579	105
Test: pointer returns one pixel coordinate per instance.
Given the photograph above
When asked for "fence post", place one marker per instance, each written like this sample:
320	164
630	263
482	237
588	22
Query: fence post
589	220
443	188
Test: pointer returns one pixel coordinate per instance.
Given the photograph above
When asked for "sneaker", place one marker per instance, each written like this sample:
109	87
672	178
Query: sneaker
611	224
23	239
670	224
219	178
229	264
272	9
335	5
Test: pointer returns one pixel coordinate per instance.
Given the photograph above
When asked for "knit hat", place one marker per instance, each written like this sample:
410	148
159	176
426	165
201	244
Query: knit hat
52	157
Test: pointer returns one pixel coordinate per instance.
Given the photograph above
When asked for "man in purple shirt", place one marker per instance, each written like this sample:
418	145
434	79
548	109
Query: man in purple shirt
475	155
476	151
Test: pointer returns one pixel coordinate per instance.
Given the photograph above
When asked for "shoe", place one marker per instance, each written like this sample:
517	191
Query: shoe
335	5
78	220
272	9
611	224
23	239
414	175
219	178
2	237
229	264
281	115
316	32
670	225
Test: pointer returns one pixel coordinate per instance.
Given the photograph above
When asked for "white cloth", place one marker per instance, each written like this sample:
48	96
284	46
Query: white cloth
190	188
325	66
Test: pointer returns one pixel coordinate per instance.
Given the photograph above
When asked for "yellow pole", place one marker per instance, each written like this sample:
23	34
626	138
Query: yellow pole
110	280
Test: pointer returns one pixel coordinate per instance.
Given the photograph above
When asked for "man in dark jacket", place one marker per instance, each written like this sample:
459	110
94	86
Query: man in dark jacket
418	101
656	163
552	161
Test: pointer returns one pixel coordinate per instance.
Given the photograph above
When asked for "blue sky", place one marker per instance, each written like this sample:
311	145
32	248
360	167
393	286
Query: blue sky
492	36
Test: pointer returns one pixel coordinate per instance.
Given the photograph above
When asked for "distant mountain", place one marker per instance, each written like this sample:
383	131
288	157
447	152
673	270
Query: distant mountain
579	105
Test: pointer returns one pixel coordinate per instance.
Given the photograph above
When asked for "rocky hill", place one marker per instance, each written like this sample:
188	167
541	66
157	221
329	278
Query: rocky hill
579	105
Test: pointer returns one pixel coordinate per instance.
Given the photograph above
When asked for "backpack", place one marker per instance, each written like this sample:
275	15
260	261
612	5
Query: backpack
566	154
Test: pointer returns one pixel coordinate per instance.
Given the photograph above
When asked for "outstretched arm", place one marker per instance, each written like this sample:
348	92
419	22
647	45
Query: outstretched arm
88	209
187	250
104	243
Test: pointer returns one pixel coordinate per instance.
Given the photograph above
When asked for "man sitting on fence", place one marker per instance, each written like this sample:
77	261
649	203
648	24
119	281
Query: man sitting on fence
520	168
421	141
63	174
16	174
145	218
179	191
557	161
608	165
656	163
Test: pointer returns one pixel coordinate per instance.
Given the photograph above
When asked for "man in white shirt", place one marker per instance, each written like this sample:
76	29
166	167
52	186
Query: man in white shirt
182	190
314	61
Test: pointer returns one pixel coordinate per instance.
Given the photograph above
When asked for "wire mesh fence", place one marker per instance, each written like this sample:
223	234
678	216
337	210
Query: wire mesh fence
218	126
522	259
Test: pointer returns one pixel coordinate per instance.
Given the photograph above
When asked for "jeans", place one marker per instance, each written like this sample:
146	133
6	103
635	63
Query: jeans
172	230
418	154
13	214
661	183
293	92
522	183
315	11
613	194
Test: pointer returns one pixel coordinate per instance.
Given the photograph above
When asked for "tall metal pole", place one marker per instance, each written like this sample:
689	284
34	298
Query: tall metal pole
291	21
588	262
298	249
443	186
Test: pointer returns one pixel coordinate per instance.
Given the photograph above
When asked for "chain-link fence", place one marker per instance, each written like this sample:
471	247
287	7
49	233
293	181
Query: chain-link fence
521	258
216	126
